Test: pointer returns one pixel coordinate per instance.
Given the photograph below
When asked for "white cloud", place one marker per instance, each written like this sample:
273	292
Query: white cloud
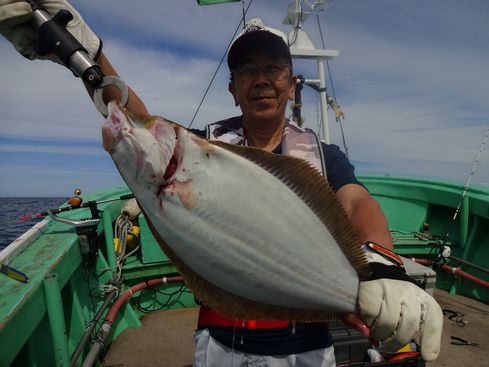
413	79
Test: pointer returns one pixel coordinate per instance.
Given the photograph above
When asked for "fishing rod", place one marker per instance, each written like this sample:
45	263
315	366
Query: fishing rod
467	184
444	251
89	204
16	274
472	172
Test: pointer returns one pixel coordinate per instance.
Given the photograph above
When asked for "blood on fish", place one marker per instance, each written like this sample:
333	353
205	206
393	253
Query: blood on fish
171	169
164	186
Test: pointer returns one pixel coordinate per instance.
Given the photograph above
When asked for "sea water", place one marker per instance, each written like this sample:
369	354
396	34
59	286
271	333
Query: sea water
12	208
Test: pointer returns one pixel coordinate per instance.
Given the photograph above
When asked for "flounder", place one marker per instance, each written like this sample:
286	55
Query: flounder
255	235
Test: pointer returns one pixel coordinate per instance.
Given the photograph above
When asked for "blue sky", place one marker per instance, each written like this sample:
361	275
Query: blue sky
412	78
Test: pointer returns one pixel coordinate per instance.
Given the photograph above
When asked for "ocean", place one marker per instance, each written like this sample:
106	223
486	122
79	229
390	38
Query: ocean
12	208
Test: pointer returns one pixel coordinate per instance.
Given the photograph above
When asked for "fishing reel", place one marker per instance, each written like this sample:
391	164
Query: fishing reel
444	253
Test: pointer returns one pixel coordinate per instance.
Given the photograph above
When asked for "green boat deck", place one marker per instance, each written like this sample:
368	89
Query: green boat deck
420	215
165	338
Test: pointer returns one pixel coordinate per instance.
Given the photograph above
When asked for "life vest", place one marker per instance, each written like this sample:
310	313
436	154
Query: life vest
296	142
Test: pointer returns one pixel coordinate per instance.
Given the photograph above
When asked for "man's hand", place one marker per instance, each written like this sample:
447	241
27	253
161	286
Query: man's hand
396	309
15	26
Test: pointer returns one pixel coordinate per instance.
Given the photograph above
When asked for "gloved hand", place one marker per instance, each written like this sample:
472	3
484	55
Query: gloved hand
397	310
15	26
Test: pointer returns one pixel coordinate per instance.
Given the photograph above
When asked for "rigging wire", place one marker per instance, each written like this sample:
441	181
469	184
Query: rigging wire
220	63
297	26
338	119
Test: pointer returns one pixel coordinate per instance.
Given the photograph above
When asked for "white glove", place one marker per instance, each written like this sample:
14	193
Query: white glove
397	310
15	26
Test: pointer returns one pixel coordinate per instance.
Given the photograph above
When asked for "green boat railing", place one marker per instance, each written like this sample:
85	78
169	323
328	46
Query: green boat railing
420	213
59	284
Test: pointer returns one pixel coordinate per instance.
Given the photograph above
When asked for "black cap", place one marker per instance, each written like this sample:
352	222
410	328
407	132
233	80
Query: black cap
257	37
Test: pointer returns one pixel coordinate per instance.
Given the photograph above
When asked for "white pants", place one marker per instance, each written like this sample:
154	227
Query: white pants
210	353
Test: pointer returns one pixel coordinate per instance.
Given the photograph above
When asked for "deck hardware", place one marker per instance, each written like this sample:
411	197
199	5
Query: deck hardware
459	341
14	273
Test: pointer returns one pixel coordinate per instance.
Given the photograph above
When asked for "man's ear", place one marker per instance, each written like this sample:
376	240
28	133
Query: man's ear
293	83
232	90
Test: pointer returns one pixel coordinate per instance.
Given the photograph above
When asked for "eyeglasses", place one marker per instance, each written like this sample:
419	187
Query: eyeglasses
271	71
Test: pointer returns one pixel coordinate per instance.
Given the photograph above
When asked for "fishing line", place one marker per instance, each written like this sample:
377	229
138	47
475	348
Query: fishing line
219	66
456	316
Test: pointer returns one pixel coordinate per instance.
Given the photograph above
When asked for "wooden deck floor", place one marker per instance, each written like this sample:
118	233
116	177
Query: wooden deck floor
476	329
165	339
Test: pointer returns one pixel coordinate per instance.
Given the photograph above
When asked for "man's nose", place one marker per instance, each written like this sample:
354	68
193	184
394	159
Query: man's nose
261	77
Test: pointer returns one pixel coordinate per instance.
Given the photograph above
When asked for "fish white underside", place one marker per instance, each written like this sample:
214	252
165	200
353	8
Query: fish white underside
249	234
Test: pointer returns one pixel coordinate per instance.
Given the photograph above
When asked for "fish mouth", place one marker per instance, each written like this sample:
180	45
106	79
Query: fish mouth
111	129
154	137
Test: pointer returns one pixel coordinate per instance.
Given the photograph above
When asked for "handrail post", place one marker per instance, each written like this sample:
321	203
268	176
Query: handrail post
54	306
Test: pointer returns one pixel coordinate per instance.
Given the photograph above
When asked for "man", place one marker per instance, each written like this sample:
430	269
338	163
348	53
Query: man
261	83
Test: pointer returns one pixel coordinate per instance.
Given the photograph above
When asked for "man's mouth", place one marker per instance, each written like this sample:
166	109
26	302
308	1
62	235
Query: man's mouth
259	98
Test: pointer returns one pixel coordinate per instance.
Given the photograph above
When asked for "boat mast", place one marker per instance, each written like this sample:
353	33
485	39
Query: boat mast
301	47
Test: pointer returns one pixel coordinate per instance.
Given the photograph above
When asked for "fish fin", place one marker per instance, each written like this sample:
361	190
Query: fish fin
231	305
311	187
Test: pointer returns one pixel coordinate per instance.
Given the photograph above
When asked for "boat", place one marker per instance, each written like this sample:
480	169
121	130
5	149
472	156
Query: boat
89	285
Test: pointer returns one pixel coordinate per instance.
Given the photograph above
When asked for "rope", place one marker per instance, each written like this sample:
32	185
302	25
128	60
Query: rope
122	227
220	63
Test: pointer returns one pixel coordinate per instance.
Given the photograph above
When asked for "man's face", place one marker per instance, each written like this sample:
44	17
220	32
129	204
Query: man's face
262	84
